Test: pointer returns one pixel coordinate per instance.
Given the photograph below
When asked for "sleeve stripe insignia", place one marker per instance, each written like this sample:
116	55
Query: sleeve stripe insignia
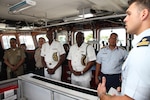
144	42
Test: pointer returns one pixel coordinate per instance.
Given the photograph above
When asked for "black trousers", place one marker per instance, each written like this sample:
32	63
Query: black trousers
112	80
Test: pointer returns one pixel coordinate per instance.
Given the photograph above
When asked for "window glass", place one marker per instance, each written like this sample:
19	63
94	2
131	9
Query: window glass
28	40
62	37
6	40
88	35
41	35
105	33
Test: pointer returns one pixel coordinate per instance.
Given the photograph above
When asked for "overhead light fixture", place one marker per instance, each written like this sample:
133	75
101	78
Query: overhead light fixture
86	13
25	4
83	13
74	18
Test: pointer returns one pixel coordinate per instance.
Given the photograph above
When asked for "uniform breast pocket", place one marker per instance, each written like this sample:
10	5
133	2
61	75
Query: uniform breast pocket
18	54
105	57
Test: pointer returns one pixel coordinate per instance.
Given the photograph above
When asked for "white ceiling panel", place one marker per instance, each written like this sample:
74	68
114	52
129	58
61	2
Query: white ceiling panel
59	9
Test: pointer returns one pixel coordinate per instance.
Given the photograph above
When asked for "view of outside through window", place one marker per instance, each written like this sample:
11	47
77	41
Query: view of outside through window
88	34
7	38
62	37
105	33
28	40
41	35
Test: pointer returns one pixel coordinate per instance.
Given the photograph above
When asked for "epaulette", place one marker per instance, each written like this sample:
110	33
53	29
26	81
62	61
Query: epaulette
103	47
144	42
121	48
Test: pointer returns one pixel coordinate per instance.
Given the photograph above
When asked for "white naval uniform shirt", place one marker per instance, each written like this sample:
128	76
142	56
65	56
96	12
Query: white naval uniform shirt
136	70
47	52
111	60
75	55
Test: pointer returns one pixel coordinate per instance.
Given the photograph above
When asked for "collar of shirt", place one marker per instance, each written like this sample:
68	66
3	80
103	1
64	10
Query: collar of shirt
52	42
140	36
83	44
113	49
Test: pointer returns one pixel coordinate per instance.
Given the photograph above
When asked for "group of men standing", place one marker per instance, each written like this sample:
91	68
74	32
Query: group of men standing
81	58
109	60
50	55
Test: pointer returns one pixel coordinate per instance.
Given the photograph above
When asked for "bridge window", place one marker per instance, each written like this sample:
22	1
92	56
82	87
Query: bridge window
62	37
6	40
28	40
88	34
41	35
105	33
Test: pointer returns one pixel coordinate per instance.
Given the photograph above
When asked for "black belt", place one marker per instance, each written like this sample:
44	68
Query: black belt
110	74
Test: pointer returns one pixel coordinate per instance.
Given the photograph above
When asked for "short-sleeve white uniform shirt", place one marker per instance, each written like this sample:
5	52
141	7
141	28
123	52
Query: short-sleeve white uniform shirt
52	53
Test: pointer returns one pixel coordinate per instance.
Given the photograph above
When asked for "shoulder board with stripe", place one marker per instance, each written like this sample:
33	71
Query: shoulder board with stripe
121	48
103	47
144	42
